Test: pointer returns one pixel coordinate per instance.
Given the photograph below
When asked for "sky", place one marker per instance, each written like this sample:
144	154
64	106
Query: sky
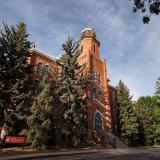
131	48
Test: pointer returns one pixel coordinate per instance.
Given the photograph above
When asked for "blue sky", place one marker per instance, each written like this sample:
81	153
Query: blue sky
132	49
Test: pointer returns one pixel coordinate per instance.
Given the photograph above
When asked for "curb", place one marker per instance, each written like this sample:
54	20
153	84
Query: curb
45	155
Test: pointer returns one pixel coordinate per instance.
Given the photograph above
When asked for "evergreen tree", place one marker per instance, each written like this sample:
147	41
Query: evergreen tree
72	91
128	119
40	123
146	122
14	73
158	86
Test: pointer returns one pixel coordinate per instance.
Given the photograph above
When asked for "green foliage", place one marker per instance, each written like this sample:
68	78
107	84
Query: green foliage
147	6
127	115
157	125
143	116
14	73
157	110
40	123
146	121
72	90
149	101
148	113
158	86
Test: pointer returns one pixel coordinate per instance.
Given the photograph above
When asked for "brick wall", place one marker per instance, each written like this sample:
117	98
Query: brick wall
95	67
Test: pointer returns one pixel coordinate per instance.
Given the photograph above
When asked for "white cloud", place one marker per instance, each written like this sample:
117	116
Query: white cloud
131	48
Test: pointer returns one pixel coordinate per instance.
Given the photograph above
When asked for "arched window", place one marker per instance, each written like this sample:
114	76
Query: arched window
81	48
39	68
94	93
99	79
46	70
94	48
100	95
98	122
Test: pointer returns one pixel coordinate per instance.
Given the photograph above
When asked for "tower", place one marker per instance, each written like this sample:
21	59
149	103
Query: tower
99	112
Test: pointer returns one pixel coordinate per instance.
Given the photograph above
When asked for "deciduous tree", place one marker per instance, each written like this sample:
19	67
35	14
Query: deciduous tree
147	7
146	121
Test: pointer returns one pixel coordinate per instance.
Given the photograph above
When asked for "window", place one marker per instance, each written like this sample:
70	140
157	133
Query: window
81	48
98	122
93	75
46	70
94	93
100	95
94	48
99	79
39	69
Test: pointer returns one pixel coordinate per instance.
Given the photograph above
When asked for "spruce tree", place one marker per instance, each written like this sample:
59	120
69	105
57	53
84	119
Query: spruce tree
128	120
72	91
14	73
40	123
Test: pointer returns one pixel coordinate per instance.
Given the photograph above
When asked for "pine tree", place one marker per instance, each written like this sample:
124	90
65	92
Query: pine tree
41	123
72	91
128	120
14	73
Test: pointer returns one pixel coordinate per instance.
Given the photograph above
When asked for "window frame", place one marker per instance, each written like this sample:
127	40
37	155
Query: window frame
94	93
40	68
99	79
46	73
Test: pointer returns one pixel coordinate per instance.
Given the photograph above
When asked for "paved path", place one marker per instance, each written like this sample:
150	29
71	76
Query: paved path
103	154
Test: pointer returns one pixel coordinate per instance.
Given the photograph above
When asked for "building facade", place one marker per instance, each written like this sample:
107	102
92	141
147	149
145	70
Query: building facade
100	103
99	111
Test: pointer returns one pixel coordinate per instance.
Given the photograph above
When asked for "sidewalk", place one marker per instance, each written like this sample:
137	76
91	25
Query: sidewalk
19	153
151	153
49	154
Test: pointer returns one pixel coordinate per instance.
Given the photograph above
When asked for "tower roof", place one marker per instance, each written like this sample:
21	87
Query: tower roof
88	33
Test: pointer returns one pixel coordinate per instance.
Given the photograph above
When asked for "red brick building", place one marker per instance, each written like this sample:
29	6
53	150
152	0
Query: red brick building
102	116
